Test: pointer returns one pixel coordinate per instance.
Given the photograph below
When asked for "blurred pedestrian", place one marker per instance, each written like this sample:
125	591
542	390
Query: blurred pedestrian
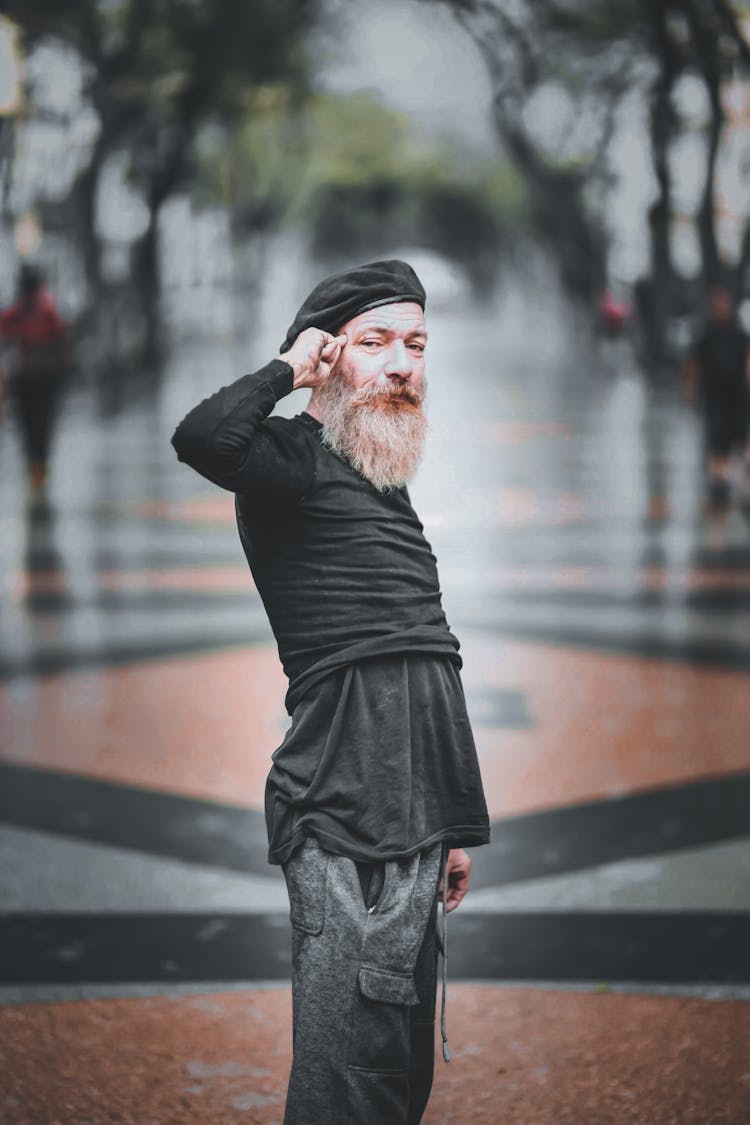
716	375
614	314
375	790
34	337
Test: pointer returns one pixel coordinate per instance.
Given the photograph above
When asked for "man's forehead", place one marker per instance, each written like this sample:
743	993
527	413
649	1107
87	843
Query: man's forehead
400	316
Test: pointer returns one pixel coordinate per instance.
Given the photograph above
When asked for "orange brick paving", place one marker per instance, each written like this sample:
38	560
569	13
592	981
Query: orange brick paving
202	726
604	724
522	1056
213	509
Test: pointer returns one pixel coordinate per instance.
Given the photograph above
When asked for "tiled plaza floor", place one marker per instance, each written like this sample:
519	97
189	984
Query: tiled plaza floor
600	969
525	1056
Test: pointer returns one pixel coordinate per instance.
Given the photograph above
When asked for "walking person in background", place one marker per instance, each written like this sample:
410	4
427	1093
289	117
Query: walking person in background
35	338
375	790
717	378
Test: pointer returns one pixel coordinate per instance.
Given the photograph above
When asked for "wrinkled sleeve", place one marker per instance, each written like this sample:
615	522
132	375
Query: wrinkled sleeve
229	438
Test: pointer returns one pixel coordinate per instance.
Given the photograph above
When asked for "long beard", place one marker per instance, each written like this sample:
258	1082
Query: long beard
379	430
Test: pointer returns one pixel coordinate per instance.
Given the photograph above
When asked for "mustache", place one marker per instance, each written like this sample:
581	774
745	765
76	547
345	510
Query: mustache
402	391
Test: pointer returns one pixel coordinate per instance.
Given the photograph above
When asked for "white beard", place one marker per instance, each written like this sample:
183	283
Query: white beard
381	437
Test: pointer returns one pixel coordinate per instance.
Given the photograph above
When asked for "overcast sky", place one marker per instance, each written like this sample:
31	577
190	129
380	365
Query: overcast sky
416	57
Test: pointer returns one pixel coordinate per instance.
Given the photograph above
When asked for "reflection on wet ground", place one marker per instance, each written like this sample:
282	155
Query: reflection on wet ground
605	624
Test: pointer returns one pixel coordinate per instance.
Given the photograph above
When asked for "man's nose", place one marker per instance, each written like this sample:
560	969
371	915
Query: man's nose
398	362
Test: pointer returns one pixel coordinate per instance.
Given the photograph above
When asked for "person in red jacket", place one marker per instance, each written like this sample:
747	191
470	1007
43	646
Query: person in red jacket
36	336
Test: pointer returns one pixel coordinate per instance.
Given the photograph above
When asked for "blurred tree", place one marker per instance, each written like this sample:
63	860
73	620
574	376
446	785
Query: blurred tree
357	177
655	293
222	50
707	55
588	55
157	70
730	19
579	56
703	38
107	59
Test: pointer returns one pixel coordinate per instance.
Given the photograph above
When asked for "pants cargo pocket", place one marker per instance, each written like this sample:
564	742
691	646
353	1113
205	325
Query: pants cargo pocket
378	1070
376	1098
306	874
380	1023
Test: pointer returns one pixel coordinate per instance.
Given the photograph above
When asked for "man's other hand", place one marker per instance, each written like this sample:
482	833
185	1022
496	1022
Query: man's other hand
312	356
459	876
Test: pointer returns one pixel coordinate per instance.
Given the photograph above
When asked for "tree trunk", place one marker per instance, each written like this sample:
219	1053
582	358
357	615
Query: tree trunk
84	195
704	38
656	292
113	127
741	285
707	211
560	216
558	209
146	251
146	280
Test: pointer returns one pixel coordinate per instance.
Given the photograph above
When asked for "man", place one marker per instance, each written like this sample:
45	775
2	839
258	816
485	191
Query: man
716	373
375	790
38	334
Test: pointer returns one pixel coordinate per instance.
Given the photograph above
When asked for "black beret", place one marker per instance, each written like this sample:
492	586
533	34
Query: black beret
336	299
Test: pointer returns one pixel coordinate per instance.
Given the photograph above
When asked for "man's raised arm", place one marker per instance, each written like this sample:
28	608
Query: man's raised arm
227	439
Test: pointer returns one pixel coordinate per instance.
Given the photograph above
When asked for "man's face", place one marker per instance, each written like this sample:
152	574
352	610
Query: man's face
371	406
385	349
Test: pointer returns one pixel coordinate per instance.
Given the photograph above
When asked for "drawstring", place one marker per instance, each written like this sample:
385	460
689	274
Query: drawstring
444	952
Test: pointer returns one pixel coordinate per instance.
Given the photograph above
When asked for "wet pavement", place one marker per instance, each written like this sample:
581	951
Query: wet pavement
600	964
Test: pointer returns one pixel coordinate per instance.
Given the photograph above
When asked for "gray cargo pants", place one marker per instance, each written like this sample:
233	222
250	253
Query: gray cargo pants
364	967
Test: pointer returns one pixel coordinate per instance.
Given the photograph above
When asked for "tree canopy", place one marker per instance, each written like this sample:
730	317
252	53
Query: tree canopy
584	57
358	177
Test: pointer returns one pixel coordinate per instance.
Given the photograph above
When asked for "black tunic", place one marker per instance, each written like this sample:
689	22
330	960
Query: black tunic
379	760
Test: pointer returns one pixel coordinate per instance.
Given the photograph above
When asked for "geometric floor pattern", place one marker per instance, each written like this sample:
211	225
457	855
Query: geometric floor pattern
599	965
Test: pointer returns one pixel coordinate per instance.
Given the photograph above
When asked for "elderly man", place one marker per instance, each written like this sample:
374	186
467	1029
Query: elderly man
375	790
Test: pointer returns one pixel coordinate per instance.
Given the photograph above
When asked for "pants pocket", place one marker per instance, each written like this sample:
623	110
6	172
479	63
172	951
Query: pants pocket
377	1098
306	874
380	1034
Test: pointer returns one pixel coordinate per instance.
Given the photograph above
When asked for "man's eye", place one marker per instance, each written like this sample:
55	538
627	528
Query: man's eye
417	347
370	343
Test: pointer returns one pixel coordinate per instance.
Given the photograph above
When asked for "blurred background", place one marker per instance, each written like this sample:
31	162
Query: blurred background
571	182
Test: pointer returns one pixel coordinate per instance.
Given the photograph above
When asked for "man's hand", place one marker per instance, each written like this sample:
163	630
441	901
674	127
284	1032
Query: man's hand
459	877
312	356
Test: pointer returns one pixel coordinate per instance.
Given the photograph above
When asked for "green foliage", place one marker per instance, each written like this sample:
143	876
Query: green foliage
357	175
160	69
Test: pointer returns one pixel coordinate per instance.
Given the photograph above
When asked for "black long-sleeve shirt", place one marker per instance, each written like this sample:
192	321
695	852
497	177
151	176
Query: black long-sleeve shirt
349	582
